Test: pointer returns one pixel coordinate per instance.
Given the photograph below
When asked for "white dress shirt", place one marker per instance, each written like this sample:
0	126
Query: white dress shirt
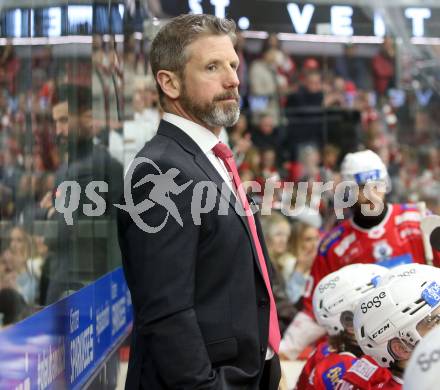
206	140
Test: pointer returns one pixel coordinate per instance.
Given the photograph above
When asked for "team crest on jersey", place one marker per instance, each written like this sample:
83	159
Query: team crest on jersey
333	375
382	250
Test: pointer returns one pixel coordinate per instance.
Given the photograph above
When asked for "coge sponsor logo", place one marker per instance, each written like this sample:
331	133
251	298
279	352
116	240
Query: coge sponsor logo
381	331
426	360
329	285
405	274
375	302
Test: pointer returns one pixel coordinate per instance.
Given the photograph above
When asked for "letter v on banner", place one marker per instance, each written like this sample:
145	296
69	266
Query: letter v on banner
300	20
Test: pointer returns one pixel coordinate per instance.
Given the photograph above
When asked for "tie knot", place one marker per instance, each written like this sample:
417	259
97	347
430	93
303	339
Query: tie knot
222	151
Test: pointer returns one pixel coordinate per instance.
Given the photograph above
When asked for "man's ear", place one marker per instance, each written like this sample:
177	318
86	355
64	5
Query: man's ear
347	321
170	83
399	349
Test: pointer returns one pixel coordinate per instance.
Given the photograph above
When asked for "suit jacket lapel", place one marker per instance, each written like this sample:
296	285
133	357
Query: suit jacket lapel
169	130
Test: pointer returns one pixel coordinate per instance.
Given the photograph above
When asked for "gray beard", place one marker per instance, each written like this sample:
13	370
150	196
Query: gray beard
212	114
221	118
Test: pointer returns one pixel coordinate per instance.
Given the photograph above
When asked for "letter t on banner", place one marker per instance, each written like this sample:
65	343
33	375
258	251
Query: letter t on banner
418	15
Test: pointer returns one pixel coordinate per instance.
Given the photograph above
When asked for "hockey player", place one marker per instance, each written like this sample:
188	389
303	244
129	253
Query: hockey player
334	301
423	368
388	323
390	237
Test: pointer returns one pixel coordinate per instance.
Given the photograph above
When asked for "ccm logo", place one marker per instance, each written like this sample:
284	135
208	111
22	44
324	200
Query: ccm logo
426	360
380	331
375	302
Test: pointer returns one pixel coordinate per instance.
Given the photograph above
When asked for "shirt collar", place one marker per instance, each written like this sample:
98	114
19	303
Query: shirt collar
203	137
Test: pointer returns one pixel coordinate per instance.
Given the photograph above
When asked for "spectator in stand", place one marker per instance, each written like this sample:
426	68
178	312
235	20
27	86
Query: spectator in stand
336	95
138	105
266	134
250	167
330	158
264	86
240	139
269	173
239	130
20	270
307	165
383	66
350	67
310	94
303	244
87	162
10	172
9	68
276	230
286	67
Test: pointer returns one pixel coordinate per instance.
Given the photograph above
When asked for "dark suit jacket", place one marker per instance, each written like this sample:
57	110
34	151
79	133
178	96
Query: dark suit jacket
200	304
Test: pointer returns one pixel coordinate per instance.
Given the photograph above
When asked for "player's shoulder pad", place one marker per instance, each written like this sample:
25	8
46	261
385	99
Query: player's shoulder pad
330	239
407	206
407	212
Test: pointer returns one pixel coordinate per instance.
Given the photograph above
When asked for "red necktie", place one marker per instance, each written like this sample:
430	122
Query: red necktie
225	154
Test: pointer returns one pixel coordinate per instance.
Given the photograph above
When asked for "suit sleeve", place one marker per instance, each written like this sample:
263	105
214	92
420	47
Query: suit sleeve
160	271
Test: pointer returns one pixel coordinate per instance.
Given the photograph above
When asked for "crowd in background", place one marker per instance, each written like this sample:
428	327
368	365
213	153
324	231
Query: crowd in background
274	86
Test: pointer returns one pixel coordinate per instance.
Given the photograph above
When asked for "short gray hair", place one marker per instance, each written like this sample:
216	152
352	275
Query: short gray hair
168	49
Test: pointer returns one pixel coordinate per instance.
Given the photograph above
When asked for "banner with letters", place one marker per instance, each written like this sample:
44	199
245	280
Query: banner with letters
61	346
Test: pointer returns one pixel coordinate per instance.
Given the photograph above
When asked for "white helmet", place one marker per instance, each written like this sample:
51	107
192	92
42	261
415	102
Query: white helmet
393	310
340	292
364	166
422	371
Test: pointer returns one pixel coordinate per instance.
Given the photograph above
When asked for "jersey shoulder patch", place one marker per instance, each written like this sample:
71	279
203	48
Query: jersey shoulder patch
363	369
330	239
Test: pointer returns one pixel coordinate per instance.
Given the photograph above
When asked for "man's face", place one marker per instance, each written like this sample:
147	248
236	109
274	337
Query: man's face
266	125
60	115
79	124
209	91
314	83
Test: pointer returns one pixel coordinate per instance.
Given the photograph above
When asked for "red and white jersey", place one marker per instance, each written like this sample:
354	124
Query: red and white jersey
318	354
396	240
366	374
329	371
